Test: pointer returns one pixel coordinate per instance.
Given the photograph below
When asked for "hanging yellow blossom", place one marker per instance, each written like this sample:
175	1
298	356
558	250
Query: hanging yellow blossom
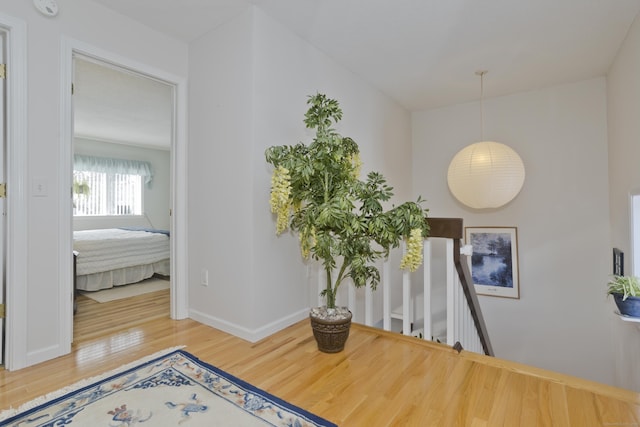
282	220
357	164
307	241
413	257
280	192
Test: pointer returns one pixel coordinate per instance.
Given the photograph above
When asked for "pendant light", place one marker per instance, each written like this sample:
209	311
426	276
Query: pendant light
486	174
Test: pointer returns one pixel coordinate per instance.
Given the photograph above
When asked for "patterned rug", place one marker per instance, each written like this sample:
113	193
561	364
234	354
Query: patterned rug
172	389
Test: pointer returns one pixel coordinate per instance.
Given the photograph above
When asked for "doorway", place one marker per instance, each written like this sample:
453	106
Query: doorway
178	208
122	143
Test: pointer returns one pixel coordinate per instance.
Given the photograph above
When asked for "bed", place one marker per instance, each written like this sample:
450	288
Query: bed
119	256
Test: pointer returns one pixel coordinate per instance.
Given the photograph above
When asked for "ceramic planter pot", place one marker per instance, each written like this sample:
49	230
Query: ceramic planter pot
629	307
330	328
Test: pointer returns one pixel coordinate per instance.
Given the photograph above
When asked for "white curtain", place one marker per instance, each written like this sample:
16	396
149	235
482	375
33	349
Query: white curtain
113	166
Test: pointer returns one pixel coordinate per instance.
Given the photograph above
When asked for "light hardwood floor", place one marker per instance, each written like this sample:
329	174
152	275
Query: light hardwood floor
380	379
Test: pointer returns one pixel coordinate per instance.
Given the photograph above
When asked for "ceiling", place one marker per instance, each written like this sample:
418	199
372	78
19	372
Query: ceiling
115	105
424	53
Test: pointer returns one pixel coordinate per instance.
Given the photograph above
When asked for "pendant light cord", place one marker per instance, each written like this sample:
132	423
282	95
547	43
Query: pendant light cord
481	74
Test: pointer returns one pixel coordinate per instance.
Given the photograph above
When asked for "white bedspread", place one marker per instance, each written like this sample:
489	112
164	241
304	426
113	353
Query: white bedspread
110	249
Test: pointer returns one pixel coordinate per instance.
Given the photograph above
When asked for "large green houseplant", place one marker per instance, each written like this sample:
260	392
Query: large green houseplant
340	220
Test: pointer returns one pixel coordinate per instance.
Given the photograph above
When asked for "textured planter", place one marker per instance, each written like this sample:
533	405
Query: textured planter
330	328
629	307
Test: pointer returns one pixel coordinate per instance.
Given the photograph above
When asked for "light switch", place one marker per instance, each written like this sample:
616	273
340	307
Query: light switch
39	187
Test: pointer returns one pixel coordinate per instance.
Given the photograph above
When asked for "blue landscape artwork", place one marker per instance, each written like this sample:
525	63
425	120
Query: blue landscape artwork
491	262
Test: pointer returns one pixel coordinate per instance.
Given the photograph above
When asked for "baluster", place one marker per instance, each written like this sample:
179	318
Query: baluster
322	284
450	269
386	296
406	297
368	306
406	303
426	256
352	298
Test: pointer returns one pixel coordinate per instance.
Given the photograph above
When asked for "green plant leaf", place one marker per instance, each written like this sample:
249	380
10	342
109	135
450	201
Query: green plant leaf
352	231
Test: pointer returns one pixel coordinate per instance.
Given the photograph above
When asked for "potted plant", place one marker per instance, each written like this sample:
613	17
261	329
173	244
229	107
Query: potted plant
339	219
81	188
626	294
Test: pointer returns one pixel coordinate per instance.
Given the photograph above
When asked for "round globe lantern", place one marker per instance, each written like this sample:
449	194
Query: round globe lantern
486	175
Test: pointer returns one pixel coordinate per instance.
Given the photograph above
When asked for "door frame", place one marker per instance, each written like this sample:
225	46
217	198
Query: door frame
179	304
15	31
3	167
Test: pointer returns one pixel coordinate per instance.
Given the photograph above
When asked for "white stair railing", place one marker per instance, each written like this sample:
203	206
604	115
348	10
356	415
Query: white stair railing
460	323
463	322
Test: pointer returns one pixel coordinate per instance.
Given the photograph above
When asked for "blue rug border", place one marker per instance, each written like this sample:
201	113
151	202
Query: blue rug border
296	409
250	387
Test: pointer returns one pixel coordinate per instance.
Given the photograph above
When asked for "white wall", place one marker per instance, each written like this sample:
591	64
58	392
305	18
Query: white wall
623	94
97	26
220	176
155	197
250	81
288	70
562	319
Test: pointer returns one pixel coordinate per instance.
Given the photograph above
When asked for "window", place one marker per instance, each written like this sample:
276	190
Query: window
99	193
106	187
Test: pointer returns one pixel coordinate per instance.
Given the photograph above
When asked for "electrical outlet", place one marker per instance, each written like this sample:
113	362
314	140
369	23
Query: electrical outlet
204	277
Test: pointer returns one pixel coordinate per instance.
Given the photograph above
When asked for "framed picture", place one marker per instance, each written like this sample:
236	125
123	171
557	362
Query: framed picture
494	263
618	262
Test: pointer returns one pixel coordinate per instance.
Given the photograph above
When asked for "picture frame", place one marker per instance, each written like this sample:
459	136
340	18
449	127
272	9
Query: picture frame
618	262
494	263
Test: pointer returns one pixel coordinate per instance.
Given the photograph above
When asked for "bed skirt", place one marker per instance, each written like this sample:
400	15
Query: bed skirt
122	276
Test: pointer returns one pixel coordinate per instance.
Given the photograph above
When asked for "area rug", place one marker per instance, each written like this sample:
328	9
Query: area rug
172	389
127	291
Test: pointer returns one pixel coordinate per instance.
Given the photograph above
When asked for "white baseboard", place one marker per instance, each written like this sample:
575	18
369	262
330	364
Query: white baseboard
251	335
44	354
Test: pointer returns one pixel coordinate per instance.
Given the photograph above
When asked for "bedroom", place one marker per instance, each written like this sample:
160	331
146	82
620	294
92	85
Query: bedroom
121	193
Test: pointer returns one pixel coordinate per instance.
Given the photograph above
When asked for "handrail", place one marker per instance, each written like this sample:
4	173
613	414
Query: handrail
448	228
451	228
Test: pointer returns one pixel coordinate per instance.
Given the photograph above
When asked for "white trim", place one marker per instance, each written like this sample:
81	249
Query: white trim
43	354
180	300
16	127
179	307
251	335
65	227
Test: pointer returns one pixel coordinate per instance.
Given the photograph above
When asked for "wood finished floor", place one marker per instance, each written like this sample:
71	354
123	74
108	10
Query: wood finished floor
380	379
